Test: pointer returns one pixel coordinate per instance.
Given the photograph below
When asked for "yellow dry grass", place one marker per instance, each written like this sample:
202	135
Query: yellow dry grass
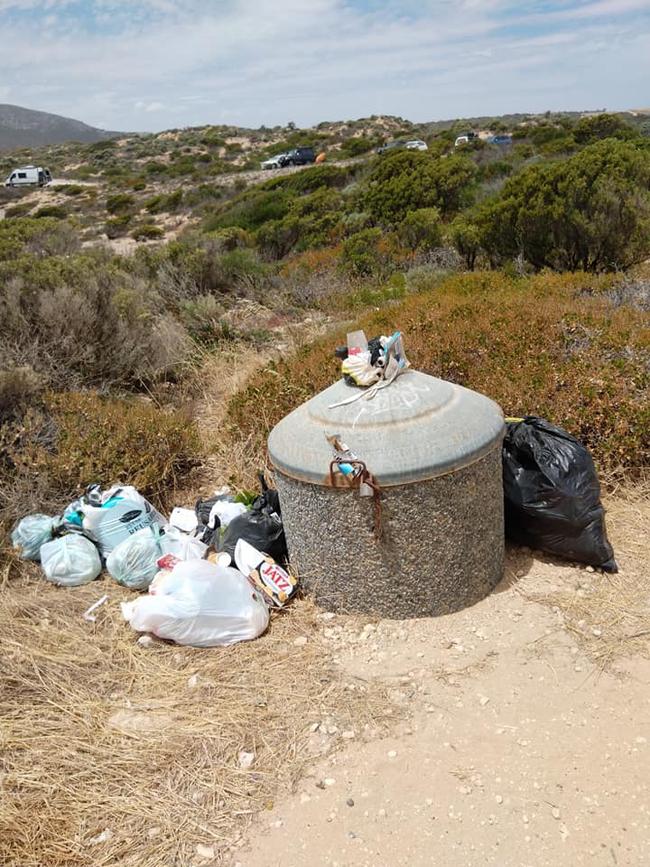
609	616
139	745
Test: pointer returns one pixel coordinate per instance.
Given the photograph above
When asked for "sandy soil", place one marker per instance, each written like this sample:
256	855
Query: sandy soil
515	747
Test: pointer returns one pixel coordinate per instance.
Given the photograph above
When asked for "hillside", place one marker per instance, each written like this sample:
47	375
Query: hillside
24	127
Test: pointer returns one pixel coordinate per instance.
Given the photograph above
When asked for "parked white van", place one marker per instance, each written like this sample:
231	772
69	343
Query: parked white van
35	176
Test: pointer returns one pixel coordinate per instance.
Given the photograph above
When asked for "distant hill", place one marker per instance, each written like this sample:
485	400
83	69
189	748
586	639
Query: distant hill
23	127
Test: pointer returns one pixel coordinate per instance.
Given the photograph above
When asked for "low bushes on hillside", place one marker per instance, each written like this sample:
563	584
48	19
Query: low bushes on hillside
539	345
72	439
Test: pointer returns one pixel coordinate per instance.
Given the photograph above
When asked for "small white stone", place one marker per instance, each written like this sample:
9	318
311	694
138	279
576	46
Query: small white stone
329	781
641	740
314	727
154	832
277	824
555	812
499	799
304	798
348	735
205	851
392	754
246	759
483	700
104	837
145	641
597	632
193	681
525	819
300	641
327	616
590	569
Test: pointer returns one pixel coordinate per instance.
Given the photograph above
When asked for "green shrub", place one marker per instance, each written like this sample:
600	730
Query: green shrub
421	229
20	210
147	232
601	126
109	440
590	211
37	237
409	180
466	238
360	254
164	202
120	203
251	209
117	226
72	190
57	212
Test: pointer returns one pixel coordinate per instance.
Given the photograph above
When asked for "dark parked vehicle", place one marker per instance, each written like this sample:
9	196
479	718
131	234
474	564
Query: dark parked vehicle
501	139
298	157
391	146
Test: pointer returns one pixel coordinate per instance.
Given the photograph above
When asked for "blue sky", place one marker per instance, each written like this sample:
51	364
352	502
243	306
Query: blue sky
156	64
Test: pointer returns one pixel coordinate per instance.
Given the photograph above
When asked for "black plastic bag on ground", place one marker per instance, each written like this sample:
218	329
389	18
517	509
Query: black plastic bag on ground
261	527
552	494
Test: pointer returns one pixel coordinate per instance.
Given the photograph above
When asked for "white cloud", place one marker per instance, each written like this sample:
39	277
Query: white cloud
187	62
149	106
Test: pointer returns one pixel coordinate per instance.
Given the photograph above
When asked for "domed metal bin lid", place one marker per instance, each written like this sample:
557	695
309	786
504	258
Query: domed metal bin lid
417	428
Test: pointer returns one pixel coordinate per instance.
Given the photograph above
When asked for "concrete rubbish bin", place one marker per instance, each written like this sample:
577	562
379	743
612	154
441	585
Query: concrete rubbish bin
435	450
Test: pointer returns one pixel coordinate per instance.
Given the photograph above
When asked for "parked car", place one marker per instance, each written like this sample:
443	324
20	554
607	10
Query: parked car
465	138
416	145
501	139
29	176
391	146
273	162
298	157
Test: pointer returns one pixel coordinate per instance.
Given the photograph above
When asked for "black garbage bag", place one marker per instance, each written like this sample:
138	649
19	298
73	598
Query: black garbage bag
552	494
261	527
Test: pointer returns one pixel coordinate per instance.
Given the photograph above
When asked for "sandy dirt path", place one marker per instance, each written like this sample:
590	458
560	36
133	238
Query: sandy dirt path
514	749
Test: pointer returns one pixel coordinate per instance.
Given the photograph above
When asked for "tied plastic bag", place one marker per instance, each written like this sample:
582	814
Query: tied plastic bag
261	527
200	604
552	494
134	562
32	532
70	560
109	517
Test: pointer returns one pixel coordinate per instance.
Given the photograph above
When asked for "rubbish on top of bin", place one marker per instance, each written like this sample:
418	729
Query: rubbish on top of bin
372	365
277	586
552	493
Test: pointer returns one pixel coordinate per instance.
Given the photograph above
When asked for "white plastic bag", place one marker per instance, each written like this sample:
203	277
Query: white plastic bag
226	511
70	560
134	562
200	604
183	519
174	541
123	511
30	533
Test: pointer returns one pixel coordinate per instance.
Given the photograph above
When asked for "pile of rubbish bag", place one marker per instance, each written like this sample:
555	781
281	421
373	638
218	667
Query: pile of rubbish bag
552	494
213	573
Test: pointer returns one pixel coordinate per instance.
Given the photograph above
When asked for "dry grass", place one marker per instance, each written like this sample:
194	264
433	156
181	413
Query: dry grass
101	733
609	616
